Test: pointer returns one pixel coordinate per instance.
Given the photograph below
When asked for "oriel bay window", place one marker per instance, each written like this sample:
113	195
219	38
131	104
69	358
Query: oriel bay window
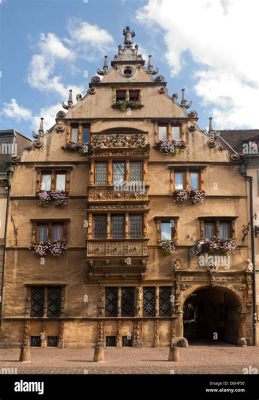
118	173
45	301
118	226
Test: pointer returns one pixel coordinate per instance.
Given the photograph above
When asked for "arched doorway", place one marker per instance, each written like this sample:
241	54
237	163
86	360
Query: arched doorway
211	314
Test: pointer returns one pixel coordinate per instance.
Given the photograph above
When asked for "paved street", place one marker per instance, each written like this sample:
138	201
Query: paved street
194	360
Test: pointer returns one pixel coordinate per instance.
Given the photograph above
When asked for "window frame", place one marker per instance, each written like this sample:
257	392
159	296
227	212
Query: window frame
50	223
53	172
174	228
217	221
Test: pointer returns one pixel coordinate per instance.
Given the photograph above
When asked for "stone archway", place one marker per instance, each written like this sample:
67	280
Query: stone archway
212	314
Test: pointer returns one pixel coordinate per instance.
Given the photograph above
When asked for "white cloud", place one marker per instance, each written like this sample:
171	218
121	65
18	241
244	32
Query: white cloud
13	111
42	67
49	115
83	32
222	37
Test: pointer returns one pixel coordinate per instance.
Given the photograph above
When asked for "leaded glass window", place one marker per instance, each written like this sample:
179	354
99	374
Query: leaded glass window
149	301
35	341
100	174
110	341
52	341
111	301
135	171
100	223
117	226
118	173
127	341
127	302
37	301
164	301
53	301
135	226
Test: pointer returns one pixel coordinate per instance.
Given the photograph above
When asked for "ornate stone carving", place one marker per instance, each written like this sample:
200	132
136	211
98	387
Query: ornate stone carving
109	194
119	140
60	128
100	332
119	337
117	249
137	334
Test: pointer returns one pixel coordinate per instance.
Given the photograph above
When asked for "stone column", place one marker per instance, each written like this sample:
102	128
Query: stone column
119	337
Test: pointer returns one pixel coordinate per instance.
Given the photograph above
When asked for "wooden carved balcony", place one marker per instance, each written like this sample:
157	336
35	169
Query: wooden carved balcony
109	194
123	248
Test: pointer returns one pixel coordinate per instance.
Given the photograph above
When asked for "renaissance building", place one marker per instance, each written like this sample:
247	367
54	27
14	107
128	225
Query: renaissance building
127	223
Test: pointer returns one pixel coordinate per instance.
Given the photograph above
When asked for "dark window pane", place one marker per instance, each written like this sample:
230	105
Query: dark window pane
127	341
37	301
135	171
57	232
117	226
164	301
111	301
135	226
127	302
100	223
110	341
100	174
166	231
52	341
86	134
43	230
54	302
35	341
149	301
134	95
120	95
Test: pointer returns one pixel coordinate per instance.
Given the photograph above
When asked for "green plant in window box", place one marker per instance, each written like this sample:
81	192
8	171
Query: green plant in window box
123	105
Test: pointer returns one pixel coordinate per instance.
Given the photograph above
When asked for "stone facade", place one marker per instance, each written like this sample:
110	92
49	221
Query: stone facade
124	288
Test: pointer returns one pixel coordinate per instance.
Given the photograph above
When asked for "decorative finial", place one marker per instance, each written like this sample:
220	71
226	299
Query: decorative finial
150	68
128	36
41	130
69	102
210	124
105	69
184	101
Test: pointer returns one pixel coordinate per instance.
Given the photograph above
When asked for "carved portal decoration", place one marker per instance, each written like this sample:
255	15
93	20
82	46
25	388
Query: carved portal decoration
119	140
117	249
138	333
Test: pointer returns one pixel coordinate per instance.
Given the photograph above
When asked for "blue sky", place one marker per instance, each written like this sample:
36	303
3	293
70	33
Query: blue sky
206	46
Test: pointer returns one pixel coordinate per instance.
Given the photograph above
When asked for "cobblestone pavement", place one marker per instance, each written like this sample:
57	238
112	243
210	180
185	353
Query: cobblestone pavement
193	360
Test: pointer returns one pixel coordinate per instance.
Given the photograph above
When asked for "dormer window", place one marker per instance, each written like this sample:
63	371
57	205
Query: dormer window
127	98
133	95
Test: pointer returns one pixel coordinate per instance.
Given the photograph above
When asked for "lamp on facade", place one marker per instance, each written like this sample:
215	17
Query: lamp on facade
243	170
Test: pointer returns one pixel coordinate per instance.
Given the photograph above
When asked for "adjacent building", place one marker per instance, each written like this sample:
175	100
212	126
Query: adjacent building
126	222
12	143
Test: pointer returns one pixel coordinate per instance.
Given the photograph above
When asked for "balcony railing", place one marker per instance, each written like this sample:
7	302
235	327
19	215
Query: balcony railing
124	248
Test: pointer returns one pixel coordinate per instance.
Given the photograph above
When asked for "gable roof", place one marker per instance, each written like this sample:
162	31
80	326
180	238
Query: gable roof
237	137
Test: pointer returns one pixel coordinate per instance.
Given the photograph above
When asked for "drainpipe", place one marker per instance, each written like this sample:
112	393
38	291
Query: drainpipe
249	179
9	174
